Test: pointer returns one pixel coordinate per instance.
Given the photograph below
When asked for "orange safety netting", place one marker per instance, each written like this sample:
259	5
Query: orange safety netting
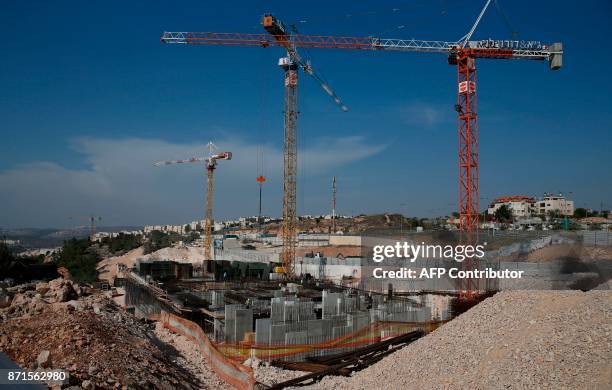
372	333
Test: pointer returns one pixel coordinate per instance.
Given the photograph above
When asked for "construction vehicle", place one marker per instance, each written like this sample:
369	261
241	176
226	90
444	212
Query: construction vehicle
461	53
211	165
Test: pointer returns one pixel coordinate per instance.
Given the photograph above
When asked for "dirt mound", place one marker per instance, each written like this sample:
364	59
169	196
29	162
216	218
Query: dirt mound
107	268
61	325
518	339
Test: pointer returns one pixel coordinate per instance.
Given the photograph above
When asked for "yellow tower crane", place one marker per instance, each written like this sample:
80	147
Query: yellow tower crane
211	165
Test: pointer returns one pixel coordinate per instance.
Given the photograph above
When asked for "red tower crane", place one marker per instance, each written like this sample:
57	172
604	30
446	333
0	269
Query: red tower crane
462	53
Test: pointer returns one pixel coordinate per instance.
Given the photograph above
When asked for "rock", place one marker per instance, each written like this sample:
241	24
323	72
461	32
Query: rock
76	305
5	298
92	370
87	385
55	284
78	289
44	359
42	288
66	293
19	300
96	308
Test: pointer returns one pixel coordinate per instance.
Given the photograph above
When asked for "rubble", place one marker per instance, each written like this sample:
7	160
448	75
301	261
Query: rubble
44	359
54	325
270	375
190	358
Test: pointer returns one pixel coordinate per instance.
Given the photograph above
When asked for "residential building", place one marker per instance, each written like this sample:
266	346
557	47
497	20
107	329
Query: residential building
521	206
552	203
526	206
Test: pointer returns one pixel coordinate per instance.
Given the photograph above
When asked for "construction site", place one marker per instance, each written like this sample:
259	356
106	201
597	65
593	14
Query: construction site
299	303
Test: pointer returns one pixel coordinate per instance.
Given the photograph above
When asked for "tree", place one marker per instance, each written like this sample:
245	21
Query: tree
187	228
191	237
158	240
79	258
580	212
6	258
503	213
122	242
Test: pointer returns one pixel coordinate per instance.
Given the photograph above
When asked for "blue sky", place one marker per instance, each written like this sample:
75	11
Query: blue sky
90	98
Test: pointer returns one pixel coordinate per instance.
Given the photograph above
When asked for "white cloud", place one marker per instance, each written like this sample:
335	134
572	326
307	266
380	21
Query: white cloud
426	114
121	184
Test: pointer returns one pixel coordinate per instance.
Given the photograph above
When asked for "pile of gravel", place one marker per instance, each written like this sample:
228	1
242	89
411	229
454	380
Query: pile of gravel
514	340
270	375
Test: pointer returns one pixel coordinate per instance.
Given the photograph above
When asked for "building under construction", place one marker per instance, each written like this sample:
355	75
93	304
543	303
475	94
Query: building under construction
290	321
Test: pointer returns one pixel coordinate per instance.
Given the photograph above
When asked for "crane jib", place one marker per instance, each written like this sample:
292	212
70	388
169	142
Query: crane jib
533	50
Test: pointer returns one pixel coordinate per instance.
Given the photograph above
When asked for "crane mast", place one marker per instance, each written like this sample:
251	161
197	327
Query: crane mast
289	224
208	220
468	164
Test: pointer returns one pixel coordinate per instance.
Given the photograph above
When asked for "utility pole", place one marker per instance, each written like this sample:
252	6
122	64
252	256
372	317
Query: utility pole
333	230
260	179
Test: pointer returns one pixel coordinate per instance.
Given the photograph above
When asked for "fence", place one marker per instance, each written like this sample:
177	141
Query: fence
597	238
233	373
246	256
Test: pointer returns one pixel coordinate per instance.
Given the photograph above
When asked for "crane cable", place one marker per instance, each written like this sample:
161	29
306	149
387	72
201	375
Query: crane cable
500	11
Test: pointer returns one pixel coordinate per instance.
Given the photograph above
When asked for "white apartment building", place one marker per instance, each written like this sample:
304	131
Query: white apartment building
526	206
520	206
551	203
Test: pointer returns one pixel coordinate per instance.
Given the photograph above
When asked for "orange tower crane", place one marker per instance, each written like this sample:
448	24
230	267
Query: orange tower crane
462	53
211	165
